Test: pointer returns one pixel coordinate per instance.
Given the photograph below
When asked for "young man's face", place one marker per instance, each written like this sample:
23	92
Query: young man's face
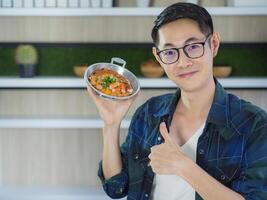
189	74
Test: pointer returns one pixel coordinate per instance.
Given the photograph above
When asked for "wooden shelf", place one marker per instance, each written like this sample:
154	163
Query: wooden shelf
156	83
123	11
56	123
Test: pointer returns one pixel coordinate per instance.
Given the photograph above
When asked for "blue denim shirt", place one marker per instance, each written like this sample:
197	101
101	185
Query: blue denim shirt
232	147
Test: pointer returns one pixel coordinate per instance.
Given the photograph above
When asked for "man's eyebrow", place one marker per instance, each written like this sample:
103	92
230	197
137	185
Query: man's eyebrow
191	39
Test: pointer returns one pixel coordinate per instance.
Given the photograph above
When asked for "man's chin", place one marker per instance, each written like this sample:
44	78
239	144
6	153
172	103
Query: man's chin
187	86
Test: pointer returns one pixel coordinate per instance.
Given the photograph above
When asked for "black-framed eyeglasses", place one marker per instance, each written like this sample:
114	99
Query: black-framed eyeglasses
193	50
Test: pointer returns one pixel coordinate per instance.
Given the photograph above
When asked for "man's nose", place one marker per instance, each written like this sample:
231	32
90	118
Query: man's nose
183	61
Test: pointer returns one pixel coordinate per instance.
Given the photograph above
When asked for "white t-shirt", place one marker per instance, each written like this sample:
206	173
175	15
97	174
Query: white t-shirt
173	187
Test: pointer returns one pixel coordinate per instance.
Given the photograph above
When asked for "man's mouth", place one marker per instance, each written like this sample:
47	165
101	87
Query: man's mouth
186	74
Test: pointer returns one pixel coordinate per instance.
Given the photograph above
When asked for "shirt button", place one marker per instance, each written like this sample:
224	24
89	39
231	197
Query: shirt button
146	195
201	151
159	138
136	156
222	177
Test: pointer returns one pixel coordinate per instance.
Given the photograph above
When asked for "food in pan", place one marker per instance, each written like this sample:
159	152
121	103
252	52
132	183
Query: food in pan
110	82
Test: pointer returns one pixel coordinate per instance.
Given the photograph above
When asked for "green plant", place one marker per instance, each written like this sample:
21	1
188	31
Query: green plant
26	54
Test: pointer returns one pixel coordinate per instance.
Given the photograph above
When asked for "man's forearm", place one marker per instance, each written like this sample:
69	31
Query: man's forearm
111	162
207	186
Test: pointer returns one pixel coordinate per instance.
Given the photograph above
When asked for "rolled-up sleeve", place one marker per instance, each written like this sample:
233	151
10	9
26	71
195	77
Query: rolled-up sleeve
252	182
116	186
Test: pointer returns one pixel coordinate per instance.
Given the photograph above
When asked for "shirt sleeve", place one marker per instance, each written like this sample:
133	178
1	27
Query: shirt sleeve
117	186
252	182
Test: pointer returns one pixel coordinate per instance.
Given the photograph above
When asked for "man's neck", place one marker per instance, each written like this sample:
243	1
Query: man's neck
197	103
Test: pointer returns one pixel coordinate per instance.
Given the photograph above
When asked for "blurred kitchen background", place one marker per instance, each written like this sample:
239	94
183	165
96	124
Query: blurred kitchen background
50	131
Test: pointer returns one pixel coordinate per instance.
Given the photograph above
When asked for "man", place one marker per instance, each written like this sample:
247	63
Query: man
199	143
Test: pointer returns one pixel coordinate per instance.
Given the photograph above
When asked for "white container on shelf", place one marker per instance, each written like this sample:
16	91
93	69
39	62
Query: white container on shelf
50	3
39	3
142	3
61	3
17	3
73	3
85	3
246	2
6	3
192	1
96	3
107	3
28	3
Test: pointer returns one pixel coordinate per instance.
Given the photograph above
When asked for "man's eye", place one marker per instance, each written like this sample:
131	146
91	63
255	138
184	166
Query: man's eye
193	47
169	53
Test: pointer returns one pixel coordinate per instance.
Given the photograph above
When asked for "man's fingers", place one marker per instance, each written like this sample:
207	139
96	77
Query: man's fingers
164	132
89	90
92	93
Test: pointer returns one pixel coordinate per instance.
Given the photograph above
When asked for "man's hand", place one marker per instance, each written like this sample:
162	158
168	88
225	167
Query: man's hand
167	157
111	111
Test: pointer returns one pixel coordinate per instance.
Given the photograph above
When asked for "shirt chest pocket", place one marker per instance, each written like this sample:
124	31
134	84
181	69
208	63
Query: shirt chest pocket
224	169
225	165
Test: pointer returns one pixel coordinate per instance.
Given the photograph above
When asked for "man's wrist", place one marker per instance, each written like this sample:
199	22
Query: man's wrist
112	126
111	129
186	168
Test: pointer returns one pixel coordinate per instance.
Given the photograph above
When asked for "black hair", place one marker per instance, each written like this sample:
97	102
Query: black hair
183	10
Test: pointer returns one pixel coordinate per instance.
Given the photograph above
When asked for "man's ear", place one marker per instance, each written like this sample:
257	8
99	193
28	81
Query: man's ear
215	43
154	51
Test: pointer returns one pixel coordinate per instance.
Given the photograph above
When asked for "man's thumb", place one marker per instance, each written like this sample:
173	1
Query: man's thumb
164	132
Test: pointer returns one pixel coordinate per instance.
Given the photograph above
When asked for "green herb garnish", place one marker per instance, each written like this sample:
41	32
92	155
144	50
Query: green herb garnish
107	81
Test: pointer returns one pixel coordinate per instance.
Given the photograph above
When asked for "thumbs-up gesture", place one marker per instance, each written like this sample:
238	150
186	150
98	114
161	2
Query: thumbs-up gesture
167	158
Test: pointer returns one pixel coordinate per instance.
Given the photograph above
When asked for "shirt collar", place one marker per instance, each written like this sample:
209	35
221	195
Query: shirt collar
218	113
170	105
